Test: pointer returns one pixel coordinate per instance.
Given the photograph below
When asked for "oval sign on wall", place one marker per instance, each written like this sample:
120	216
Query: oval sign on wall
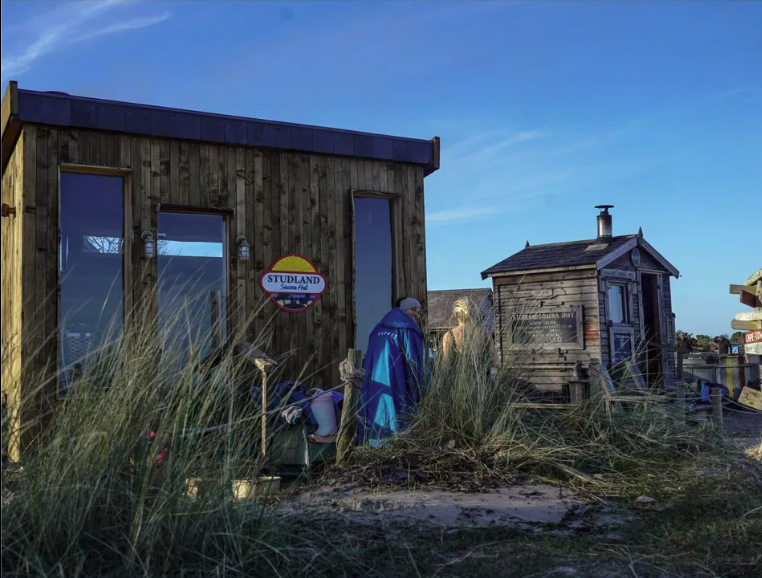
293	283
635	256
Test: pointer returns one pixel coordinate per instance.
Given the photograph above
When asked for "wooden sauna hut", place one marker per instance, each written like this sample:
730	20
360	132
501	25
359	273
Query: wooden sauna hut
605	300
110	209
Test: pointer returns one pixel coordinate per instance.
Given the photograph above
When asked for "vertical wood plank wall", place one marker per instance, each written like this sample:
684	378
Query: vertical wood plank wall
670	363
10	306
283	202
549	369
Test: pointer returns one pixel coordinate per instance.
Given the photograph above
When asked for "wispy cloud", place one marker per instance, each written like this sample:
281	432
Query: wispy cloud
465	145
71	23
459	215
496	147
132	24
507	171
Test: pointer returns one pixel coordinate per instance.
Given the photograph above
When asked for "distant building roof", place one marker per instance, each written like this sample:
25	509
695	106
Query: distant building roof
441	304
588	253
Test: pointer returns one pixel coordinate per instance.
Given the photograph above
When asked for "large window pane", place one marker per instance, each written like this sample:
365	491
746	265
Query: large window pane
192	283
373	265
90	261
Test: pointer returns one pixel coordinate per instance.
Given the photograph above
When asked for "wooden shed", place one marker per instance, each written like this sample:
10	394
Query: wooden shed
111	209
605	300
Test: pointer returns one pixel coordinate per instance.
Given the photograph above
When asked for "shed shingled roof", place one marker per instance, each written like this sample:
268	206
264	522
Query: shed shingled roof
440	304
571	254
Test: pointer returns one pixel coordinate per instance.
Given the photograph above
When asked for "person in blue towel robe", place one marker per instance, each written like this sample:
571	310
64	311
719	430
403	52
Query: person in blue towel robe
395	369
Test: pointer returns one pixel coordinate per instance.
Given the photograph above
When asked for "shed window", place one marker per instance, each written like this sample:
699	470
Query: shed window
373	264
617	304
90	262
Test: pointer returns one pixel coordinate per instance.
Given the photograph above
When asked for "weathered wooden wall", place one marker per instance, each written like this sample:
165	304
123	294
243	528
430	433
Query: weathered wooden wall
549	368
283	202
10	308
670	363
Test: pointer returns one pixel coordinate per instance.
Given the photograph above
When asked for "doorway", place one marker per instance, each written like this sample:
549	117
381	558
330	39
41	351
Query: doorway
652	354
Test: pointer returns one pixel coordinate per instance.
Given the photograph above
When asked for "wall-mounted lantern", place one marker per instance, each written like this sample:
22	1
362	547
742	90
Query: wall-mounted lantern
243	248
149	245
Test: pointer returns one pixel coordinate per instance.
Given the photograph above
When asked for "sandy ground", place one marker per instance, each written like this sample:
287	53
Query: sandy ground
519	506
513	506
743	429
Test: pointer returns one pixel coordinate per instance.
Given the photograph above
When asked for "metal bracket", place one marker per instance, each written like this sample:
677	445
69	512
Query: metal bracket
7	210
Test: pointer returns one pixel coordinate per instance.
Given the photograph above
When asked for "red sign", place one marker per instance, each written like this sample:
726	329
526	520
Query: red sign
753	336
749	299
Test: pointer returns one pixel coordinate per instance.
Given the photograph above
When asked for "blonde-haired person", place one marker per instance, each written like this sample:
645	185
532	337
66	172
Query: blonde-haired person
454	340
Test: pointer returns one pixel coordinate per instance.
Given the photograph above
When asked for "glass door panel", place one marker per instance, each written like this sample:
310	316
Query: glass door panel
192	258
91	256
373	264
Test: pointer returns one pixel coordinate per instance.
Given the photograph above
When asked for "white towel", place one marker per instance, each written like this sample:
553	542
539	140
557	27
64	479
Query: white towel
325	414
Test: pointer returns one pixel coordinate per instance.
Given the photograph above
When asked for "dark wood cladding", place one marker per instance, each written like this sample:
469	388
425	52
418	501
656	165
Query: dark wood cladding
283	202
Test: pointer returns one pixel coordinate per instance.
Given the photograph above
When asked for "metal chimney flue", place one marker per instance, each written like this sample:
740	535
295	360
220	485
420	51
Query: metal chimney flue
605	229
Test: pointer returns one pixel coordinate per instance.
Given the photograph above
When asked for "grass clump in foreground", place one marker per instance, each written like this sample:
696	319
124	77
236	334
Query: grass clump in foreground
94	501
99	497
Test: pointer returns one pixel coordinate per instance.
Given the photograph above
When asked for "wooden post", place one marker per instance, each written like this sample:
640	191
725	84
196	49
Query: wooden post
262	362
717	407
578	391
351	372
680	402
679	370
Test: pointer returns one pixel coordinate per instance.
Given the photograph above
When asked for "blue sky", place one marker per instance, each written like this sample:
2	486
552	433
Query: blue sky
545	109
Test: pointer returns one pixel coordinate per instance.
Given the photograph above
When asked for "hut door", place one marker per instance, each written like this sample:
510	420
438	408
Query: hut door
652	326
192	258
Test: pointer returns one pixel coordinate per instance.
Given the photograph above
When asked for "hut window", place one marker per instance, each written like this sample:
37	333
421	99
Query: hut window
192	282
373	264
90	265
617	304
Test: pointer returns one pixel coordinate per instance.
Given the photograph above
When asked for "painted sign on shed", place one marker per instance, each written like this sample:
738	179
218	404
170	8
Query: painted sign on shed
293	283
557	326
